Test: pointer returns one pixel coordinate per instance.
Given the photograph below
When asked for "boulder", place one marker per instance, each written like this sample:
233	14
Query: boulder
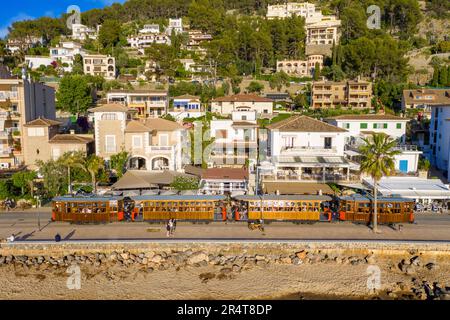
226	270
260	257
415	261
297	261
197	258
149	254
286	260
156	259
124	256
236	268
431	266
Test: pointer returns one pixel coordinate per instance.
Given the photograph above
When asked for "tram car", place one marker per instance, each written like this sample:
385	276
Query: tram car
180	207
95	209
390	210
285	207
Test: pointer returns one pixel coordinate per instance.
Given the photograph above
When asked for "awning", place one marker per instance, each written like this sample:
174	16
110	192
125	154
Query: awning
138	179
296	188
359	186
352	153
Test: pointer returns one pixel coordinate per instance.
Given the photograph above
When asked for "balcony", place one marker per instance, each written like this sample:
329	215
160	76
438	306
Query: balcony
168	150
315	176
304	150
8	95
407	147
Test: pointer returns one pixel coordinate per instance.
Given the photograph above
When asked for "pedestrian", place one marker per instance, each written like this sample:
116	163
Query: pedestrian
11	238
174	226
168	228
57	237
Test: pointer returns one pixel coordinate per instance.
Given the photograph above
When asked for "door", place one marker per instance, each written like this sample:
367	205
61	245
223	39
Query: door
404	166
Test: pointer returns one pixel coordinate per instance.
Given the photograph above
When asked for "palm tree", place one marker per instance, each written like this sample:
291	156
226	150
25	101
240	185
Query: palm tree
72	159
94	164
377	161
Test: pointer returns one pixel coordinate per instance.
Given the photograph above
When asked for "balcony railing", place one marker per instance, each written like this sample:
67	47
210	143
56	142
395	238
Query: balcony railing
159	149
319	177
407	147
6	95
307	150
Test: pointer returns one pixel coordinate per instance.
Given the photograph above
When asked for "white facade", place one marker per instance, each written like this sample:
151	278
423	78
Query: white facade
34	62
82	32
323	32
226	105
146	40
150	28
100	65
176	25
304	9
300	67
395	128
65	52
440	138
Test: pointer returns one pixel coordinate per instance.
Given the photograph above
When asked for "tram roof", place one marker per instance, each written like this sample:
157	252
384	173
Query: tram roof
362	198
87	199
284	197
178	197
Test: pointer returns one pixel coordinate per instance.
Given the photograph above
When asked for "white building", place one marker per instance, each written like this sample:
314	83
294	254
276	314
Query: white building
34	62
440	138
303	149
176	25
148	103
186	106
422	190
100	65
362	126
303	68
358	124
142	41
304	9
323	32
15	45
82	32
244	102
150	28
232	181
65	53
235	140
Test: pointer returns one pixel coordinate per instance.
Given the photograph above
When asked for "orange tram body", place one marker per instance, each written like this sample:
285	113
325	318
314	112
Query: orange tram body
208	208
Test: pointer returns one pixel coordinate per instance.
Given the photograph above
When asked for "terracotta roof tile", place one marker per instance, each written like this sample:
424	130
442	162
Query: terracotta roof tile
111	107
70	138
242	98
42	122
225	173
304	124
368	117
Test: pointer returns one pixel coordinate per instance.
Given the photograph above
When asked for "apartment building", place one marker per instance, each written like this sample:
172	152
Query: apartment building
323	32
186	106
303	149
65	52
425	99
148	103
440	138
142	41
175	25
244	102
329	94
150	28
196	38
301	68
23	44
82	32
21	101
362	126
235	140
43	142
154	144
288	9
100	65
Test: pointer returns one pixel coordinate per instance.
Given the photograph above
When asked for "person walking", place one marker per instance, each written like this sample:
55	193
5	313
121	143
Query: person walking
174	226
169	228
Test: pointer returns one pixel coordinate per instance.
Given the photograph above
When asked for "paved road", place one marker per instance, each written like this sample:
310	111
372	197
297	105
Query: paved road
24	225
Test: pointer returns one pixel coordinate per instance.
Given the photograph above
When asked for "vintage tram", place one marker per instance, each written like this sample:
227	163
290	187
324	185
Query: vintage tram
390	210
88	209
180	207
286	207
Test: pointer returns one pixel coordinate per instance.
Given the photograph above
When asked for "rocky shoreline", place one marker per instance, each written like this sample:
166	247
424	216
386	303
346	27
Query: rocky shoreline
416	275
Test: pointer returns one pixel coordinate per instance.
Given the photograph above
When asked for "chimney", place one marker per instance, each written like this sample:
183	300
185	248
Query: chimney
72	131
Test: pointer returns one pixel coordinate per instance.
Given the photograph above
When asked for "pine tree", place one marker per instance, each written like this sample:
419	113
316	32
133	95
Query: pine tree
435	79
443	76
316	71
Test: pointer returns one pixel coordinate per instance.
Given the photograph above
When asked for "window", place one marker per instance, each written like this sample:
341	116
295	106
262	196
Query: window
110	144
36	132
346	125
109	116
221	134
380	125
399	125
363	125
244	118
136	141
163	140
56	152
327	142
288	142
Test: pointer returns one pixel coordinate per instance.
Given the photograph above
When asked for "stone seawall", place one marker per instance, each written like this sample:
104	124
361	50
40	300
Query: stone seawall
412	270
